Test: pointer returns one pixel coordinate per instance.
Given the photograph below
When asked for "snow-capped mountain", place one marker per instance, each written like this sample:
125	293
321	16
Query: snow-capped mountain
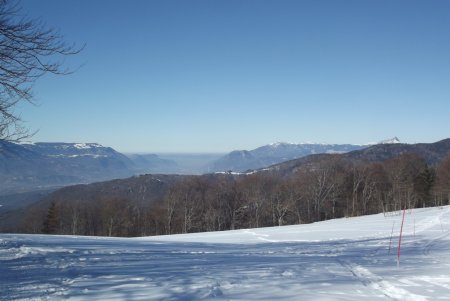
394	140
70	150
37	165
276	153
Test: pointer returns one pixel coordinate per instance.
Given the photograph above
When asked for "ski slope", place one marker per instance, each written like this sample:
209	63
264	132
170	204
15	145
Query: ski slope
342	259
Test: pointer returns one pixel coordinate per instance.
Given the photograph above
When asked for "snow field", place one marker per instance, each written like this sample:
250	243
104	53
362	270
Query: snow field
342	259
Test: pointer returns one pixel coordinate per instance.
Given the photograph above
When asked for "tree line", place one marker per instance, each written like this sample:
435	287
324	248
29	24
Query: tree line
326	189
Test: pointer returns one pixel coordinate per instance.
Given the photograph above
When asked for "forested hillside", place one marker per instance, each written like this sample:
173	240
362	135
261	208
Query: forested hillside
311	189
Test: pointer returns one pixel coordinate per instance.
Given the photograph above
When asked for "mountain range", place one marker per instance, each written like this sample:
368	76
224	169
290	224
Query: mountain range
43	165
239	161
148	189
431	153
148	186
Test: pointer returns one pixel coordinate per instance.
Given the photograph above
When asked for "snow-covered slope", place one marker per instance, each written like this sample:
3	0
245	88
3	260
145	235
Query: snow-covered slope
343	259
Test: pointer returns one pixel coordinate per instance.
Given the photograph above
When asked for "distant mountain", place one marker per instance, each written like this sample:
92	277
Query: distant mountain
394	140
25	167
271	154
149	190
432	153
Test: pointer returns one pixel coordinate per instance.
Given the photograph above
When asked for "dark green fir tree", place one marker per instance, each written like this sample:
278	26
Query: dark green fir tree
51	222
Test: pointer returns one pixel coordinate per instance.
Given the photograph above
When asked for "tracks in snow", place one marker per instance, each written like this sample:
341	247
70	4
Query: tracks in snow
379	284
427	249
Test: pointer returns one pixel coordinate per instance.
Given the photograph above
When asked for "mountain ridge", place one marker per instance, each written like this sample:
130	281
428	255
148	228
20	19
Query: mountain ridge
432	154
270	154
50	164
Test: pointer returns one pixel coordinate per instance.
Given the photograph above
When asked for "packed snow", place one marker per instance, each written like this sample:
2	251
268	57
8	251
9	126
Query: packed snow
342	259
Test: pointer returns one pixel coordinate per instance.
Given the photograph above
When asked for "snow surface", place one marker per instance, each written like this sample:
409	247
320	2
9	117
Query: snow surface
343	259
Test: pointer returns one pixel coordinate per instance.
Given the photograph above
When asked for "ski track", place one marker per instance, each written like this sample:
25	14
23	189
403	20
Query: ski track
369	279
333	260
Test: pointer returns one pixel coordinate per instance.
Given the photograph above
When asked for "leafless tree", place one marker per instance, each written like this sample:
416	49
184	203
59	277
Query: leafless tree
441	189
322	188
401	172
231	202
171	202
190	197
282	198
28	50
358	181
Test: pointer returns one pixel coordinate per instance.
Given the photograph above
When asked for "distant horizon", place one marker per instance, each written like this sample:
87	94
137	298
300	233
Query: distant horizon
216	76
200	152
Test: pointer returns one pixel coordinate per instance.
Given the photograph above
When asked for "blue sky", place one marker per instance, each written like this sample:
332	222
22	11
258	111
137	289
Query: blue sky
214	76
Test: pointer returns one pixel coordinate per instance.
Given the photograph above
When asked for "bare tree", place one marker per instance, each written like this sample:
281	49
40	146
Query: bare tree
282	197
322	188
401	172
358	179
28	50
300	201
190	197
442	185
231	202
171	203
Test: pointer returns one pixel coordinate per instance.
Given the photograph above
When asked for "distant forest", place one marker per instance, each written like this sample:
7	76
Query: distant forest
326	188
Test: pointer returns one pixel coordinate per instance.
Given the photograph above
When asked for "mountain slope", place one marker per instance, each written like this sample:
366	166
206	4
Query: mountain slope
432	153
275	153
289	182
30	166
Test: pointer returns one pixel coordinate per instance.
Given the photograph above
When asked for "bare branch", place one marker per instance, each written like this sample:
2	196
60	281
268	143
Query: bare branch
28	50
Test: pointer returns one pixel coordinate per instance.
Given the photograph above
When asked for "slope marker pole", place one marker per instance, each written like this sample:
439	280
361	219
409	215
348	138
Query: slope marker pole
400	239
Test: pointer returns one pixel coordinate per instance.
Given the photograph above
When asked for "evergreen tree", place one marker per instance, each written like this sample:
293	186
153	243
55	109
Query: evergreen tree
423	184
51	222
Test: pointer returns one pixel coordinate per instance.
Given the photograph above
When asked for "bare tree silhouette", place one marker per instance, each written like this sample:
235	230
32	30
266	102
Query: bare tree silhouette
28	50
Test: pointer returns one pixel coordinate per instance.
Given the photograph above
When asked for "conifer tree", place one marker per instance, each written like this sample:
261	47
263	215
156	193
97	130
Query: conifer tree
51	222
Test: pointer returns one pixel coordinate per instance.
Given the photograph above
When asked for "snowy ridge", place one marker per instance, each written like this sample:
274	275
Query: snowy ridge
86	145
394	140
342	259
29	166
277	144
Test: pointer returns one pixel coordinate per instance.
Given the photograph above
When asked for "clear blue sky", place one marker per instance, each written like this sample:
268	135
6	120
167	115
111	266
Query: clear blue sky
214	76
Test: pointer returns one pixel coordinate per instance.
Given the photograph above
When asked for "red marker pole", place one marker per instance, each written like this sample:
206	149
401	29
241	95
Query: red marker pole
400	238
